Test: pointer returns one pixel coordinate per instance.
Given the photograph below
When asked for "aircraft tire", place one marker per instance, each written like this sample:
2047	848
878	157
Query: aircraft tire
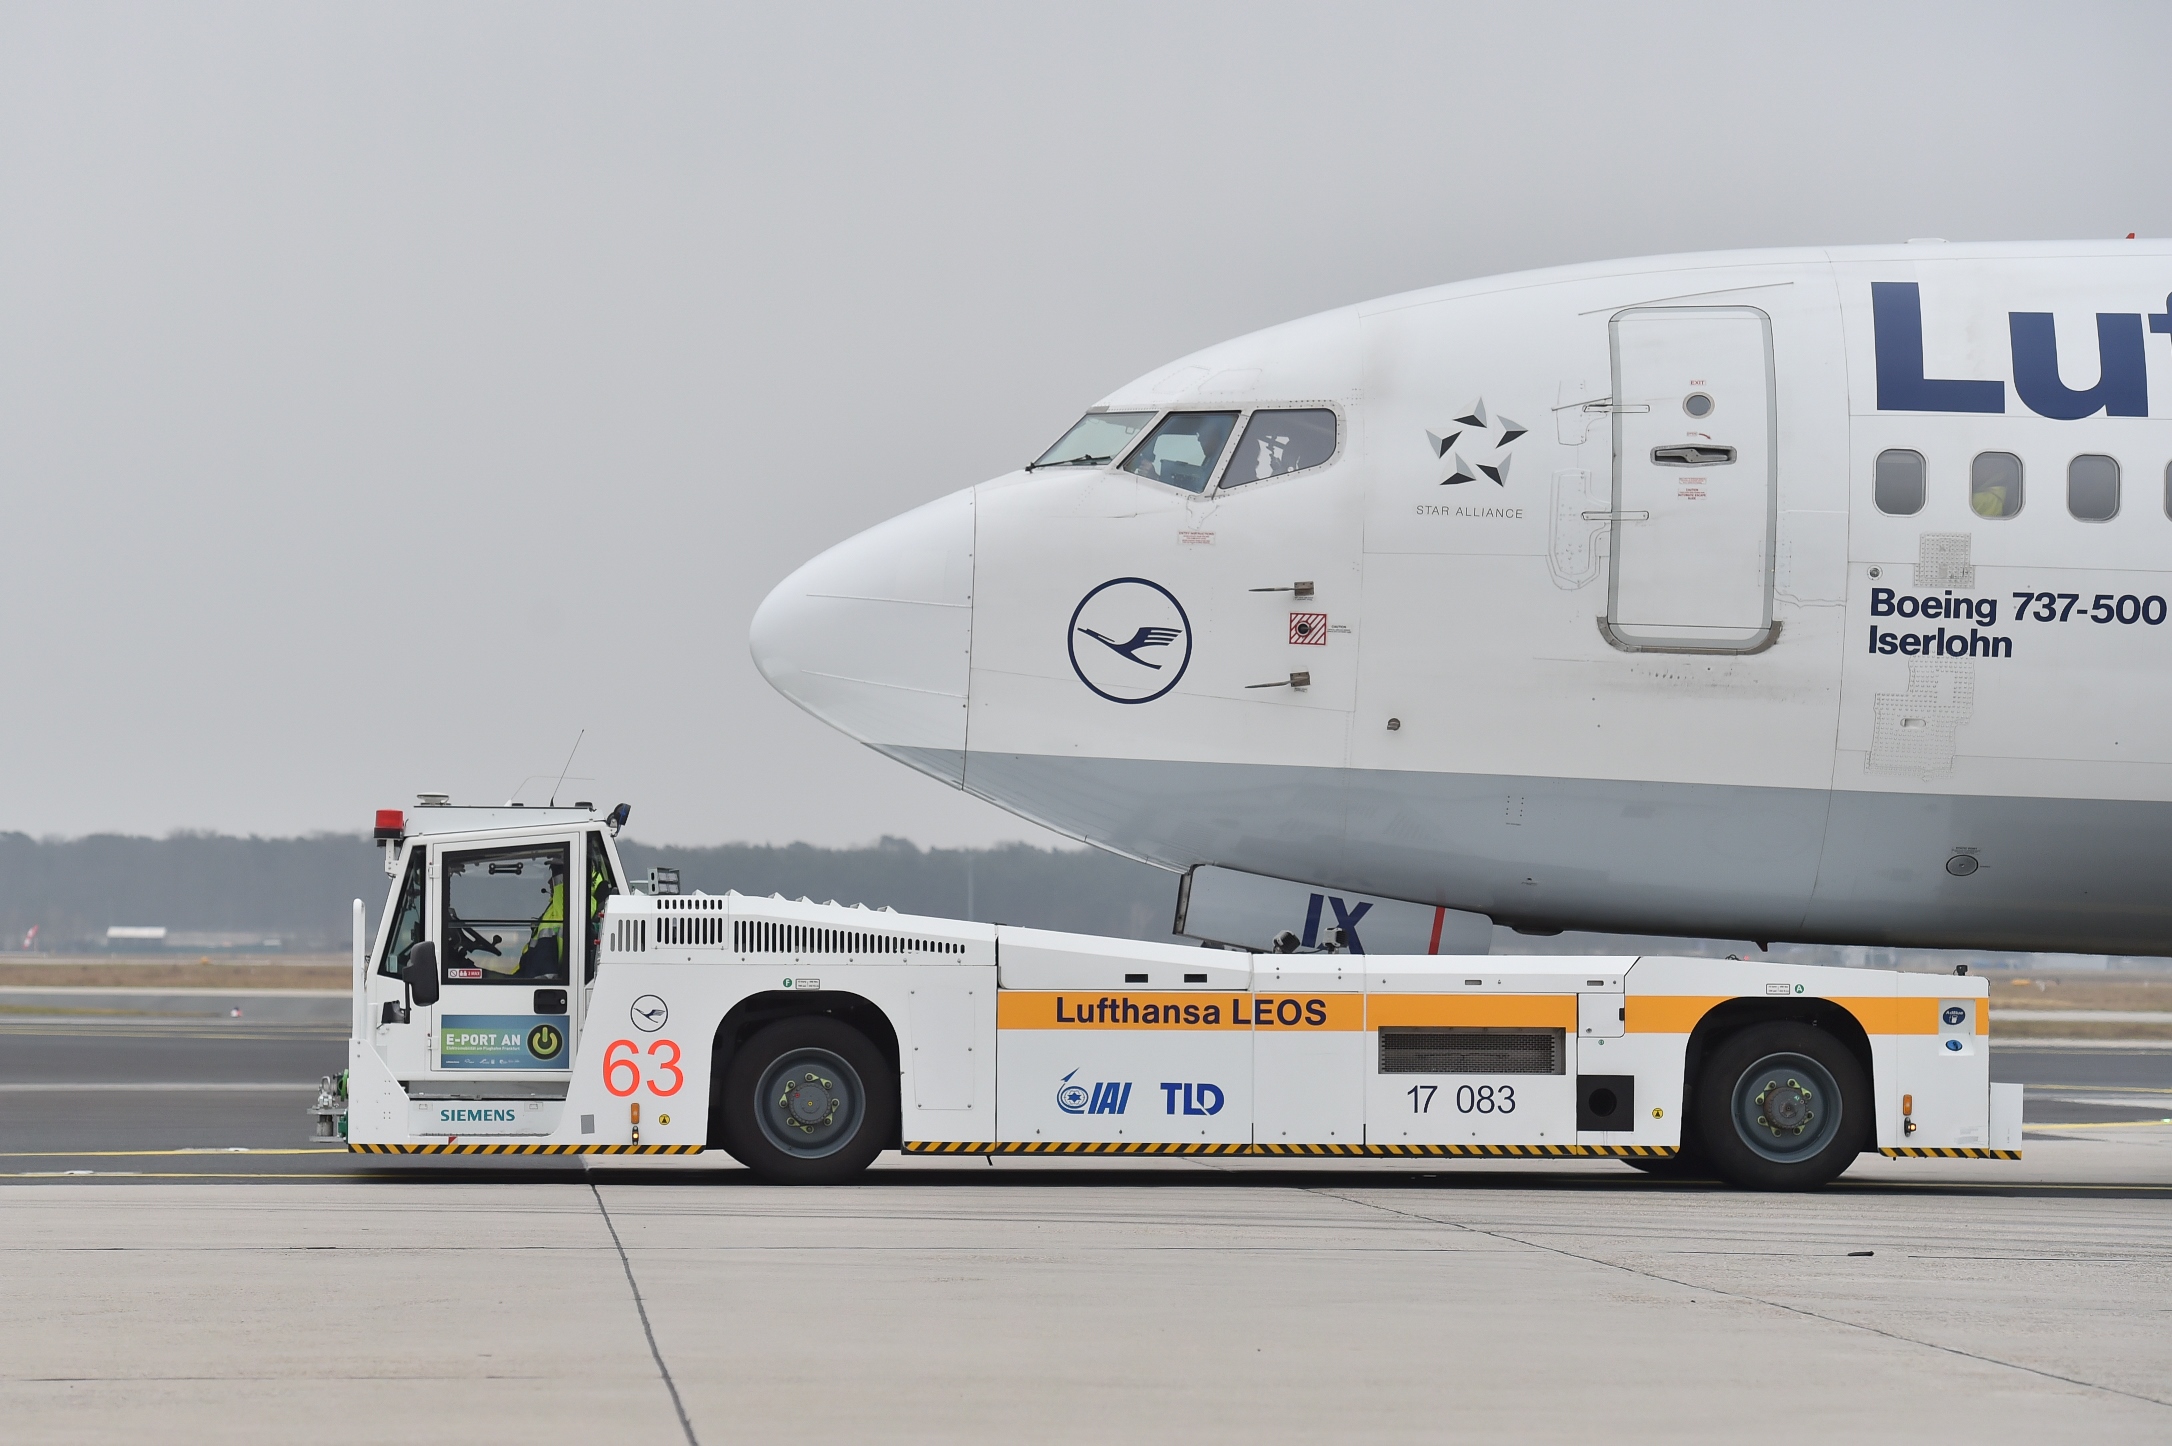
1781	1106
808	1101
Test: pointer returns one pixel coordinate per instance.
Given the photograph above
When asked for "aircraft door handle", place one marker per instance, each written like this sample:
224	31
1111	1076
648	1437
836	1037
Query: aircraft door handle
1692	455
1295	680
1301	589
1617	516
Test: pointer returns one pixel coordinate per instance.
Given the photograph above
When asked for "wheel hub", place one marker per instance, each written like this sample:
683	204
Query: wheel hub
809	1102
1786	1108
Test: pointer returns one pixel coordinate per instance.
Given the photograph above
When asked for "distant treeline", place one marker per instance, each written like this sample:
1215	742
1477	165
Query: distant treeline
299	889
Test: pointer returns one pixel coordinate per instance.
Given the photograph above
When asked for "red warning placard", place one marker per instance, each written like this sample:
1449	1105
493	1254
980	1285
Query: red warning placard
1309	628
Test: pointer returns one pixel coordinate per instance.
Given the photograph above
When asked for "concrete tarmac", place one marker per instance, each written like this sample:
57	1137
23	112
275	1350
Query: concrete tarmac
1164	1301
178	1267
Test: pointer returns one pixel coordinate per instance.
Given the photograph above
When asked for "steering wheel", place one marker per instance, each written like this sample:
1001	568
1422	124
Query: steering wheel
468	942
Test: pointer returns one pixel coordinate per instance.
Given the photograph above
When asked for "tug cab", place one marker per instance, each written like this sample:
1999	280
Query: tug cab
474	994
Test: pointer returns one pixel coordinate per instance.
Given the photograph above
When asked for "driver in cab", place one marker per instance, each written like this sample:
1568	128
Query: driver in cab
545	955
471	953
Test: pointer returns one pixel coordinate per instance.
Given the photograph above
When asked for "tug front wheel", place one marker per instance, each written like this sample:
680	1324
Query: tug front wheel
1782	1106
808	1101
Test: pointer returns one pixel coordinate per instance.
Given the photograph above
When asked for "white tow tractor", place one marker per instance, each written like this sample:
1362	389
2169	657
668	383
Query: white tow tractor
520	998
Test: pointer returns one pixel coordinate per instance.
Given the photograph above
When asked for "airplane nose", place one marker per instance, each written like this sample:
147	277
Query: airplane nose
873	636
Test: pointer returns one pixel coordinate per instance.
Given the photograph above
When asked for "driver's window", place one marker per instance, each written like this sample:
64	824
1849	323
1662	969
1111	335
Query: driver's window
505	915
406	930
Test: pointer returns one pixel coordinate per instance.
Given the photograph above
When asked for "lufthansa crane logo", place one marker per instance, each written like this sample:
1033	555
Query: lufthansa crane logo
1130	640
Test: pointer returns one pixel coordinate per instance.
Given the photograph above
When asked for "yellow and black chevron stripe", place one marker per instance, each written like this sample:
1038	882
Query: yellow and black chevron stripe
1940	1152
524	1149
1136	1147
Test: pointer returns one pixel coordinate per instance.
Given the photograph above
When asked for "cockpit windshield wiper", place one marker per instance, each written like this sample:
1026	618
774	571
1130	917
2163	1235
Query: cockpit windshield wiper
1070	462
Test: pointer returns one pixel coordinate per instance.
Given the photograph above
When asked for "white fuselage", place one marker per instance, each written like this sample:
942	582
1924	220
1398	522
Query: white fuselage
1627	607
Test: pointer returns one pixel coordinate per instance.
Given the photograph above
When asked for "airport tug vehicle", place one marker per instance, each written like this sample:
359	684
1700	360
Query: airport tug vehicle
520	998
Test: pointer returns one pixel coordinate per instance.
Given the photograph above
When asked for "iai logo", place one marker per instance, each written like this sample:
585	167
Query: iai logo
1106	1098
1130	641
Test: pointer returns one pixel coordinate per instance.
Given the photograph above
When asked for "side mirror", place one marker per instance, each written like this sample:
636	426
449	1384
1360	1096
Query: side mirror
419	973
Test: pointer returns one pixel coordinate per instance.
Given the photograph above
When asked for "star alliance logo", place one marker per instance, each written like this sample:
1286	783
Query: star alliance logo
1474	434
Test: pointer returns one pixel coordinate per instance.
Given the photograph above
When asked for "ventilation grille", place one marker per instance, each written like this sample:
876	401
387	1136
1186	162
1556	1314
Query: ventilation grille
690	929
1471	1051
691	919
630	936
760	936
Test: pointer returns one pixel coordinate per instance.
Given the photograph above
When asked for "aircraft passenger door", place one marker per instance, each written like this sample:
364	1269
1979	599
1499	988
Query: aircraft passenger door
1695	480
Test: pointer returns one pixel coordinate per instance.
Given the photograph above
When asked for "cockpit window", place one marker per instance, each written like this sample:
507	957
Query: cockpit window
1280	441
1182	451
1098	438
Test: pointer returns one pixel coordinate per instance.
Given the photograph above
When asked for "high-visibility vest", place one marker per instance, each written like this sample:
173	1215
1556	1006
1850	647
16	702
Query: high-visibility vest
553	919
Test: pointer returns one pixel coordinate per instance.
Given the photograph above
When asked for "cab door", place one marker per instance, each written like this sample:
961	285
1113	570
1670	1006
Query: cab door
509	924
1695	483
403	1042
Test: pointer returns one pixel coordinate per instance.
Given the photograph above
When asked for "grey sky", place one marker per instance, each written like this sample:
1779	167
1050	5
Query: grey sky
388	392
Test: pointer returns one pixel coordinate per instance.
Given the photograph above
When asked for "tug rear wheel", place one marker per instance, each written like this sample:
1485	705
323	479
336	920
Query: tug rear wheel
808	1101
1782	1106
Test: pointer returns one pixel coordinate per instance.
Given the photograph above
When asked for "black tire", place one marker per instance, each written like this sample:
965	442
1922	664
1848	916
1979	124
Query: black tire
1781	1106
808	1101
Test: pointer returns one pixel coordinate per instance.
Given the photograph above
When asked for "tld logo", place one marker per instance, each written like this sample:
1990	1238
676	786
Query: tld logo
1197	1099
2122	388
1109	1097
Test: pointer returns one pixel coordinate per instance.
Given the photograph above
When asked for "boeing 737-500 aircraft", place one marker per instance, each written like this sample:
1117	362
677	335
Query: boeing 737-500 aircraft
1809	595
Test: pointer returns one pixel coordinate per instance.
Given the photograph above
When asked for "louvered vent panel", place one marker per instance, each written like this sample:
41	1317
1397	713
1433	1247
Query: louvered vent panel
764	936
1471	1051
692	920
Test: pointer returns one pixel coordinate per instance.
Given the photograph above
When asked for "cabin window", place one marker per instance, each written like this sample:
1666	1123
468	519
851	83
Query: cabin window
1899	486
1095	439
1994	484
1280	441
2092	487
1182	451
406	930
505	915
